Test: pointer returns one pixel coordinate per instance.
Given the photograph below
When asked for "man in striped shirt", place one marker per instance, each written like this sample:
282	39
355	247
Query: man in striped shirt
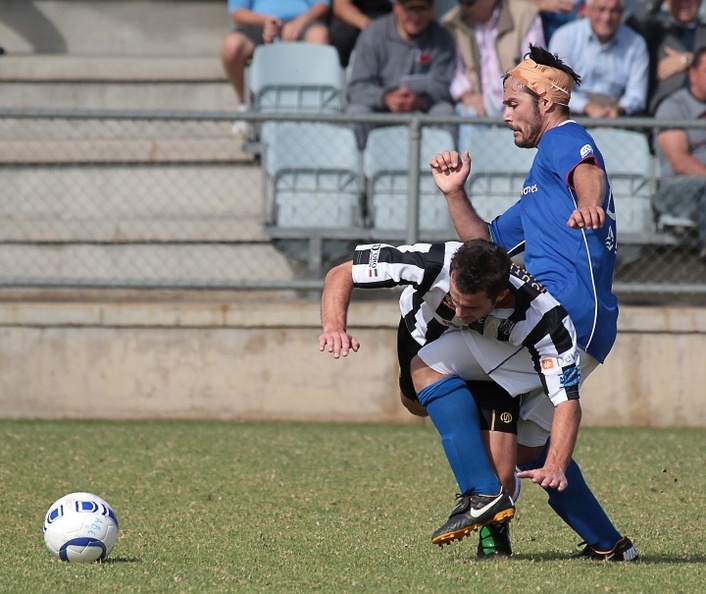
535	330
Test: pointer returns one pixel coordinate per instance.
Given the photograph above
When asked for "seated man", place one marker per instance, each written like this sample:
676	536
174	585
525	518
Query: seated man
403	63
350	17
613	58
491	36
673	31
427	313
682	153
263	21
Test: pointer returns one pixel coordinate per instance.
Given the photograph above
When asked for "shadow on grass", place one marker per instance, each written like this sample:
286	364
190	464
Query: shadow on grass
644	559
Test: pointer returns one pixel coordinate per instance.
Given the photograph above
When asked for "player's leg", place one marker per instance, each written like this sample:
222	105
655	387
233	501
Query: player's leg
499	413
407	348
454	413
576	505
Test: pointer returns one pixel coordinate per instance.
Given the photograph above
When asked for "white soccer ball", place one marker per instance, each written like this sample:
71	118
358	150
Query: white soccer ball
80	527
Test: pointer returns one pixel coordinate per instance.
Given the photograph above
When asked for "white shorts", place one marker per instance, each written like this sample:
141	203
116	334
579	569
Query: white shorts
472	356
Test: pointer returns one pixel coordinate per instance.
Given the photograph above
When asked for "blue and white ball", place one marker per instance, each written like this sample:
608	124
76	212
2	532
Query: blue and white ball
80	527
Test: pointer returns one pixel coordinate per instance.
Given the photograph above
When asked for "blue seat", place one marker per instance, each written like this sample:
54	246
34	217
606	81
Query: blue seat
295	77
630	168
312	174
386	168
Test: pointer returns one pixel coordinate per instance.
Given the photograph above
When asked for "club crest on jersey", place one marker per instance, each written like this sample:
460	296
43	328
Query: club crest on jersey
505	329
586	150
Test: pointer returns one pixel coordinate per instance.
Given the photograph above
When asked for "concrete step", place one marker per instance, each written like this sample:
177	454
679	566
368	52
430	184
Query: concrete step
119	95
142	264
129	202
113	28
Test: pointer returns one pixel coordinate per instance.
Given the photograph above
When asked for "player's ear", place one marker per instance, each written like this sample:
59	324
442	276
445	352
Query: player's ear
503	294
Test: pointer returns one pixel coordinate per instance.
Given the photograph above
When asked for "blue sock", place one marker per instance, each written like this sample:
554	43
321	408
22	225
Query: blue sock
455	415
578	507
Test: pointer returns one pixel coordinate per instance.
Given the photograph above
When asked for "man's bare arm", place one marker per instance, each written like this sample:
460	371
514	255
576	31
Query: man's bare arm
564	432
589	181
335	300
450	171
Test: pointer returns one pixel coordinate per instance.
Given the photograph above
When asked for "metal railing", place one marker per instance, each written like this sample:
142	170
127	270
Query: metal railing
171	200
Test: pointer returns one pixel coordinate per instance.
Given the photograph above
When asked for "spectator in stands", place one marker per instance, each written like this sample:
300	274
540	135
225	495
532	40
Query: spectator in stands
264	21
403	63
491	37
682	152
556	13
673	30
350	17
613	58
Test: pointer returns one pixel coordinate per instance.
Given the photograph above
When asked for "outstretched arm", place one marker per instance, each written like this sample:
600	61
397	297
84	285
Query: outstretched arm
450	171
335	299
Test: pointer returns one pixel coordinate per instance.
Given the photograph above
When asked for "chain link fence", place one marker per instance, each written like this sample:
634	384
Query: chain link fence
176	200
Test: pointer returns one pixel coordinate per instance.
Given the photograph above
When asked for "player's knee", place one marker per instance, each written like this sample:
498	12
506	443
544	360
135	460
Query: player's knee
413	406
422	374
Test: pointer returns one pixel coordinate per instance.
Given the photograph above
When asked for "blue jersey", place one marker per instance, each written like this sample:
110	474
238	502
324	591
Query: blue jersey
575	266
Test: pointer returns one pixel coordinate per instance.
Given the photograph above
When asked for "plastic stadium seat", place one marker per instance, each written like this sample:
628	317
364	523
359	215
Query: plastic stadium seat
498	171
630	168
386	167
295	77
313	186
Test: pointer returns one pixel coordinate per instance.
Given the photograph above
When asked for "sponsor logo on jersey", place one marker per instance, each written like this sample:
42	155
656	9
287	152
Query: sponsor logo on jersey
570	377
586	150
530	189
564	360
374	258
506	417
547	363
526	277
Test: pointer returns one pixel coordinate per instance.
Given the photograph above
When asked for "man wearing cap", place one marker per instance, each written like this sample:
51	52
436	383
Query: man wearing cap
564	224
404	62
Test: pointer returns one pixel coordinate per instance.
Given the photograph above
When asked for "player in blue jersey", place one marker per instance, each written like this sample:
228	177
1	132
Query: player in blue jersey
564	223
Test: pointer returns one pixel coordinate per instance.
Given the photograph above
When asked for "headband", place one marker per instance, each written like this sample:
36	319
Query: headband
549	83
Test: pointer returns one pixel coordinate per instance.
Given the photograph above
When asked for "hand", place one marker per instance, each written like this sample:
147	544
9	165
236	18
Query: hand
671	64
400	100
450	170
338	343
595	110
473	103
292	30
587	217
555	5
272	29
553	478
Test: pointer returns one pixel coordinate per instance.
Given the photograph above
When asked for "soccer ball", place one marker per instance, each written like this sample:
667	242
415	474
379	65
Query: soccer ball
80	527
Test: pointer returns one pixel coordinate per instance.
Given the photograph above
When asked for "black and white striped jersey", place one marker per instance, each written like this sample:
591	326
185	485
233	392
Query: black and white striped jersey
537	322
416	267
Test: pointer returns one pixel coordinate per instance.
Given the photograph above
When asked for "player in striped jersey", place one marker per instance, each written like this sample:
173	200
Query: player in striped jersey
427	310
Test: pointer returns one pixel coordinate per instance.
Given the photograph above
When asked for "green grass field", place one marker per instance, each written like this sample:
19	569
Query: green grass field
228	507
